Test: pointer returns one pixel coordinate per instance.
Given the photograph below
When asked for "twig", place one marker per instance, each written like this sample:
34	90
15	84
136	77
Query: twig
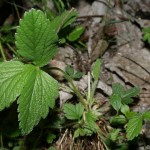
63	137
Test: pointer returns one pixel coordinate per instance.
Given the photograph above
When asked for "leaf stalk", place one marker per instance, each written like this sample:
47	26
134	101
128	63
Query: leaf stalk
75	89
2	52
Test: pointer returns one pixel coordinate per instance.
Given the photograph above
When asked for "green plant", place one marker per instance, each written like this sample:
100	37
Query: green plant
24	80
36	42
70	34
61	5
133	121
84	116
146	36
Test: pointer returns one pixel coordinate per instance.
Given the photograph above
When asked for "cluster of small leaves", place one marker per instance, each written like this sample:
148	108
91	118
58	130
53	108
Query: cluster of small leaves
86	120
67	34
146	36
122	97
133	120
36	42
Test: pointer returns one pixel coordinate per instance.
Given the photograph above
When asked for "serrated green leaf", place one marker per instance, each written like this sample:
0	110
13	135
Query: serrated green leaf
12	79
146	115
96	69
75	34
134	127
90	123
37	96
118	120
131	114
35	38
65	19
91	116
115	101
128	94
88	130
79	132
73	112
127	100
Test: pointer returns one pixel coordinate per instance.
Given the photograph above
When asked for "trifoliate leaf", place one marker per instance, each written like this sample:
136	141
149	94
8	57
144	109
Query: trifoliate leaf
73	112
96	69
37	96
35	38
12	79
134	127
65	19
115	101
75	34
146	115
128	94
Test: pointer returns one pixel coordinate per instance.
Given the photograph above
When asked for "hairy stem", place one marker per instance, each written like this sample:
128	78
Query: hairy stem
11	48
94	88
75	89
2	52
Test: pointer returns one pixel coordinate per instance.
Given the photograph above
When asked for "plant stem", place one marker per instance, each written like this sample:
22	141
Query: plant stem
89	87
2	52
76	91
11	48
